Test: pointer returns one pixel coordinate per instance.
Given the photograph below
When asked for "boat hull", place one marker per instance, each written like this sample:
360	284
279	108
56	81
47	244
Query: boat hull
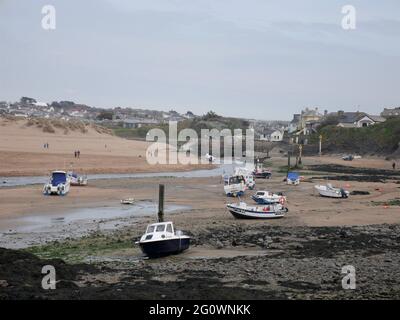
261	200
327	193
164	247
262	175
331	195
240	213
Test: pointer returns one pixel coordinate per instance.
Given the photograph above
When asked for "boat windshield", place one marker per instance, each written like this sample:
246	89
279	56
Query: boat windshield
236	180
57	178
260	193
150	229
160	228
169	228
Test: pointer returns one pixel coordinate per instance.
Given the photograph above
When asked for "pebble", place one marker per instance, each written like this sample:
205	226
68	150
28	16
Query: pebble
3	283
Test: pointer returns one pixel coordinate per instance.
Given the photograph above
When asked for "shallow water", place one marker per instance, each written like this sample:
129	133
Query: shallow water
41	228
25	181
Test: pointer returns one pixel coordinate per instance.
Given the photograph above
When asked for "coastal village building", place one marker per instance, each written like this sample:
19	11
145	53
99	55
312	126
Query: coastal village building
138	123
356	119
272	135
390	112
295	123
306	123
309	115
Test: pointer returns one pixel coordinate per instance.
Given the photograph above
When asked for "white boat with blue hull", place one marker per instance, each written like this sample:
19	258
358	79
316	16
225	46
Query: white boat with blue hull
267	197
161	239
243	211
59	184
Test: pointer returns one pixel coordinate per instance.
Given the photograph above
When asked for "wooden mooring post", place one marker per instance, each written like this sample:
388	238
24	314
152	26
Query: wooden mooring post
288	164
161	194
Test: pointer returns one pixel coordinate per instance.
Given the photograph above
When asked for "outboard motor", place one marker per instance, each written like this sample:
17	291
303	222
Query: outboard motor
343	193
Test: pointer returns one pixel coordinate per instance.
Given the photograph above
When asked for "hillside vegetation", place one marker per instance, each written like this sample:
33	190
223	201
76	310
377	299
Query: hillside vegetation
380	139
51	125
208	121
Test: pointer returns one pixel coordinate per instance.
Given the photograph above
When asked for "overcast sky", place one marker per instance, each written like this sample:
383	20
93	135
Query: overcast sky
255	58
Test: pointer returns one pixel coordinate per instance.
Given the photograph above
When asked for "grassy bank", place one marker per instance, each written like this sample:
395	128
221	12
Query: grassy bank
78	250
379	139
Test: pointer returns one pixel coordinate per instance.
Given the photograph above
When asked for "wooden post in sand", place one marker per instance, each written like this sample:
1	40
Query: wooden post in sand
300	153
161	193
320	145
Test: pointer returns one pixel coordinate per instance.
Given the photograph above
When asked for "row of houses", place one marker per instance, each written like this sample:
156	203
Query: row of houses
308	120
125	117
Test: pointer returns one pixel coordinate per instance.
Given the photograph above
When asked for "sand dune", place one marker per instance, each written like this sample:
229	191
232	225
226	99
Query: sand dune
22	151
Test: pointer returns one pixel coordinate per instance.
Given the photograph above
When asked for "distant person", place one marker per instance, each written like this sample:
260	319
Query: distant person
75	154
394	165
79	153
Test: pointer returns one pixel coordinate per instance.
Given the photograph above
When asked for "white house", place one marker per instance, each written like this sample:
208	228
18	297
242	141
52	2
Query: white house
357	119
272	135
40	104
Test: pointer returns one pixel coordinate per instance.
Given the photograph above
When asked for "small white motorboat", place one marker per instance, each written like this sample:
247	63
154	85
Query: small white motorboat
247	175
243	211
267	197
128	201
235	186
293	178
59	184
77	180
261	173
161	239
331	192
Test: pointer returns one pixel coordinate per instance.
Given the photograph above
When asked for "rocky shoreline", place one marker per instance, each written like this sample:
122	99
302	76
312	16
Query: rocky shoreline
286	263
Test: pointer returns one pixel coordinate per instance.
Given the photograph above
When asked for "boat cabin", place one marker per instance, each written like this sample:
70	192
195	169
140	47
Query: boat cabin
234	180
58	177
160	231
264	193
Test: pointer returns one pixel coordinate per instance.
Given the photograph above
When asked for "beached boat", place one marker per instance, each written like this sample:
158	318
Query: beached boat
247	175
261	173
348	157
331	192
77	180
128	201
59	184
234	186
243	211
210	158
267	197
161	239
293	178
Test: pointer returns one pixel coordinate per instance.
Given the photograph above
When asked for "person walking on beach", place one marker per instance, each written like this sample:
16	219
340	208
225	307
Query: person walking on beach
394	165
78	153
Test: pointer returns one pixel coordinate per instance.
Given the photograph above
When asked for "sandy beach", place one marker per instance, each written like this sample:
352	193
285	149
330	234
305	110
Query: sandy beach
22	152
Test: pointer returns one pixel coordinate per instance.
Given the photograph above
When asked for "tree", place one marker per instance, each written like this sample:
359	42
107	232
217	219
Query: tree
105	115
27	100
211	115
